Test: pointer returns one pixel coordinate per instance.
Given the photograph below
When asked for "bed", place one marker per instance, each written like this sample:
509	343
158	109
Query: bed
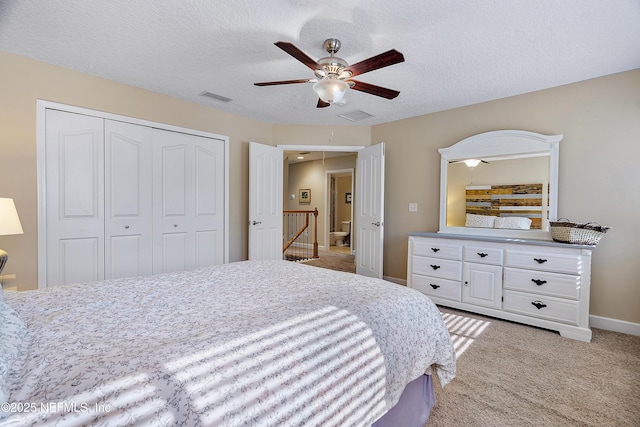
248	343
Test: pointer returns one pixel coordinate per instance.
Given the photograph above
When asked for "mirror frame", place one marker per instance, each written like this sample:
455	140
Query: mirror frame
497	144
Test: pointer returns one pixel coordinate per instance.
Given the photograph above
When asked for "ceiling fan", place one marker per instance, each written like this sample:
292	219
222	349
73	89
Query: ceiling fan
334	75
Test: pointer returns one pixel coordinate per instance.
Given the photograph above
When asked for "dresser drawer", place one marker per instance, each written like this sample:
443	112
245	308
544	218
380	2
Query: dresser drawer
436	249
559	263
443	268
542	282
483	255
545	307
437	287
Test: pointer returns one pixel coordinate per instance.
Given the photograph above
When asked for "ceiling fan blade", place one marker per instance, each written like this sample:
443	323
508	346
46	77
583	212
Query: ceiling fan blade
374	90
299	55
285	82
322	104
379	61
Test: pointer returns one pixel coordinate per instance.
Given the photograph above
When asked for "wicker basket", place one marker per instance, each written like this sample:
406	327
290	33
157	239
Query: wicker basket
566	231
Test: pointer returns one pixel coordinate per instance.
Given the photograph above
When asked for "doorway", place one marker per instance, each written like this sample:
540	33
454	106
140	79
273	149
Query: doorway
339	218
368	212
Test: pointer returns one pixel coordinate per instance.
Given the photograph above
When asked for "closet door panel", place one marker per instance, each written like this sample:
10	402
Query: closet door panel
74	194
79	260
208	248
128	200
127	256
208	221
172	200
175	252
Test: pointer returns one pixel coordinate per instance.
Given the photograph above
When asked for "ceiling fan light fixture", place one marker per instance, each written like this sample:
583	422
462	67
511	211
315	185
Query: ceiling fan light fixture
472	163
331	89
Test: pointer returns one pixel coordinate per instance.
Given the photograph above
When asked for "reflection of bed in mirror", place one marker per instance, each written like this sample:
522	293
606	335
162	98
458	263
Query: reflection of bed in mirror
508	163
510	206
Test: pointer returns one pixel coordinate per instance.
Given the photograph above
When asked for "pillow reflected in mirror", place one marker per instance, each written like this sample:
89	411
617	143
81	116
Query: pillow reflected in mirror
480	221
513	222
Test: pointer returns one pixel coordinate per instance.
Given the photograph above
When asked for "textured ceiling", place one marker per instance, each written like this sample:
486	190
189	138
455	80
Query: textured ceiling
456	52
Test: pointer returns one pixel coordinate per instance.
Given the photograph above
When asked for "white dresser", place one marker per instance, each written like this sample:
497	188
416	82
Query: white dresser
536	282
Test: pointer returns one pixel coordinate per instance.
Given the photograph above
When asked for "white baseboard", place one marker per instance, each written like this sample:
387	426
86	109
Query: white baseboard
614	325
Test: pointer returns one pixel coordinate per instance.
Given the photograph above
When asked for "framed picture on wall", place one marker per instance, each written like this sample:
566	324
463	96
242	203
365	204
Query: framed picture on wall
347	197
304	195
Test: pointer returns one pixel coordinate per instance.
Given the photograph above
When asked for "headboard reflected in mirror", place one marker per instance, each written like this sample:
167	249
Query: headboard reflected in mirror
501	183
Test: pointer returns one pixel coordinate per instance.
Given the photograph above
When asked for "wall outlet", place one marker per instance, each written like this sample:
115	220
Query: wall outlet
413	207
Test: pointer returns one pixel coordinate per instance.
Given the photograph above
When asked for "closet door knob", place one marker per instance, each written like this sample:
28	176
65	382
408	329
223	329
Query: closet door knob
126	226
175	225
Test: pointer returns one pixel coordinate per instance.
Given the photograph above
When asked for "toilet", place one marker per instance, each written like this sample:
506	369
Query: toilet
337	237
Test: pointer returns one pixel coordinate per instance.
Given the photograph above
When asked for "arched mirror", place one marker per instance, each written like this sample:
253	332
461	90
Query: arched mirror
502	183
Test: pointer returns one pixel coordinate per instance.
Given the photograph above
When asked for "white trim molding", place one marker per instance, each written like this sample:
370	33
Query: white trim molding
614	325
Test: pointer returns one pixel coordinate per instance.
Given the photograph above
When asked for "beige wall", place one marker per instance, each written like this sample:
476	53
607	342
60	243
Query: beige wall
23	81
322	135
599	173
599	176
343	209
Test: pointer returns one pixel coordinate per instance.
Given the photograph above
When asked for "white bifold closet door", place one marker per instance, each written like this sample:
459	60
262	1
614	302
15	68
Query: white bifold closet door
128	224
74	193
124	199
188	223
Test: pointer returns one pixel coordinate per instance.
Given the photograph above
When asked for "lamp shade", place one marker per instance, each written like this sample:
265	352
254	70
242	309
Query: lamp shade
9	221
331	89
472	163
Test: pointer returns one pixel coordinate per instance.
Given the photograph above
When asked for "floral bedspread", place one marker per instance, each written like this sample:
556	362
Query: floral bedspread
268	343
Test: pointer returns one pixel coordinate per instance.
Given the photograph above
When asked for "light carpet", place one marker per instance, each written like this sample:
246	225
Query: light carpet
334	261
515	375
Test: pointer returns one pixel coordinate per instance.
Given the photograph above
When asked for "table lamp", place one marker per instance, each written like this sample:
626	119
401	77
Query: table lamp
9	224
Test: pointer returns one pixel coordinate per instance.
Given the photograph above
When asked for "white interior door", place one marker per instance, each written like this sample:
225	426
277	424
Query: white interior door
74	174
265	201
369	211
128	200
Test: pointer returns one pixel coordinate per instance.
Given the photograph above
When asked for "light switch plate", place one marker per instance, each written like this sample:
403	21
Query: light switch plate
413	207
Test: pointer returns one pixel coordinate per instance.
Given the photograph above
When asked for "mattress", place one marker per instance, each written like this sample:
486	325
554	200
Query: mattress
243	344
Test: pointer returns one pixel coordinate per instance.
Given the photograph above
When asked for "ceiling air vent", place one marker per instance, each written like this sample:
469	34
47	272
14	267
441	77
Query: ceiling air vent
216	96
355	116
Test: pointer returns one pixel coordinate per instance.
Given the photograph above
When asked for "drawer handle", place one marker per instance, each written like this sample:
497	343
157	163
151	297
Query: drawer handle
435	267
539	304
482	254
539	282
435	249
540	260
434	286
